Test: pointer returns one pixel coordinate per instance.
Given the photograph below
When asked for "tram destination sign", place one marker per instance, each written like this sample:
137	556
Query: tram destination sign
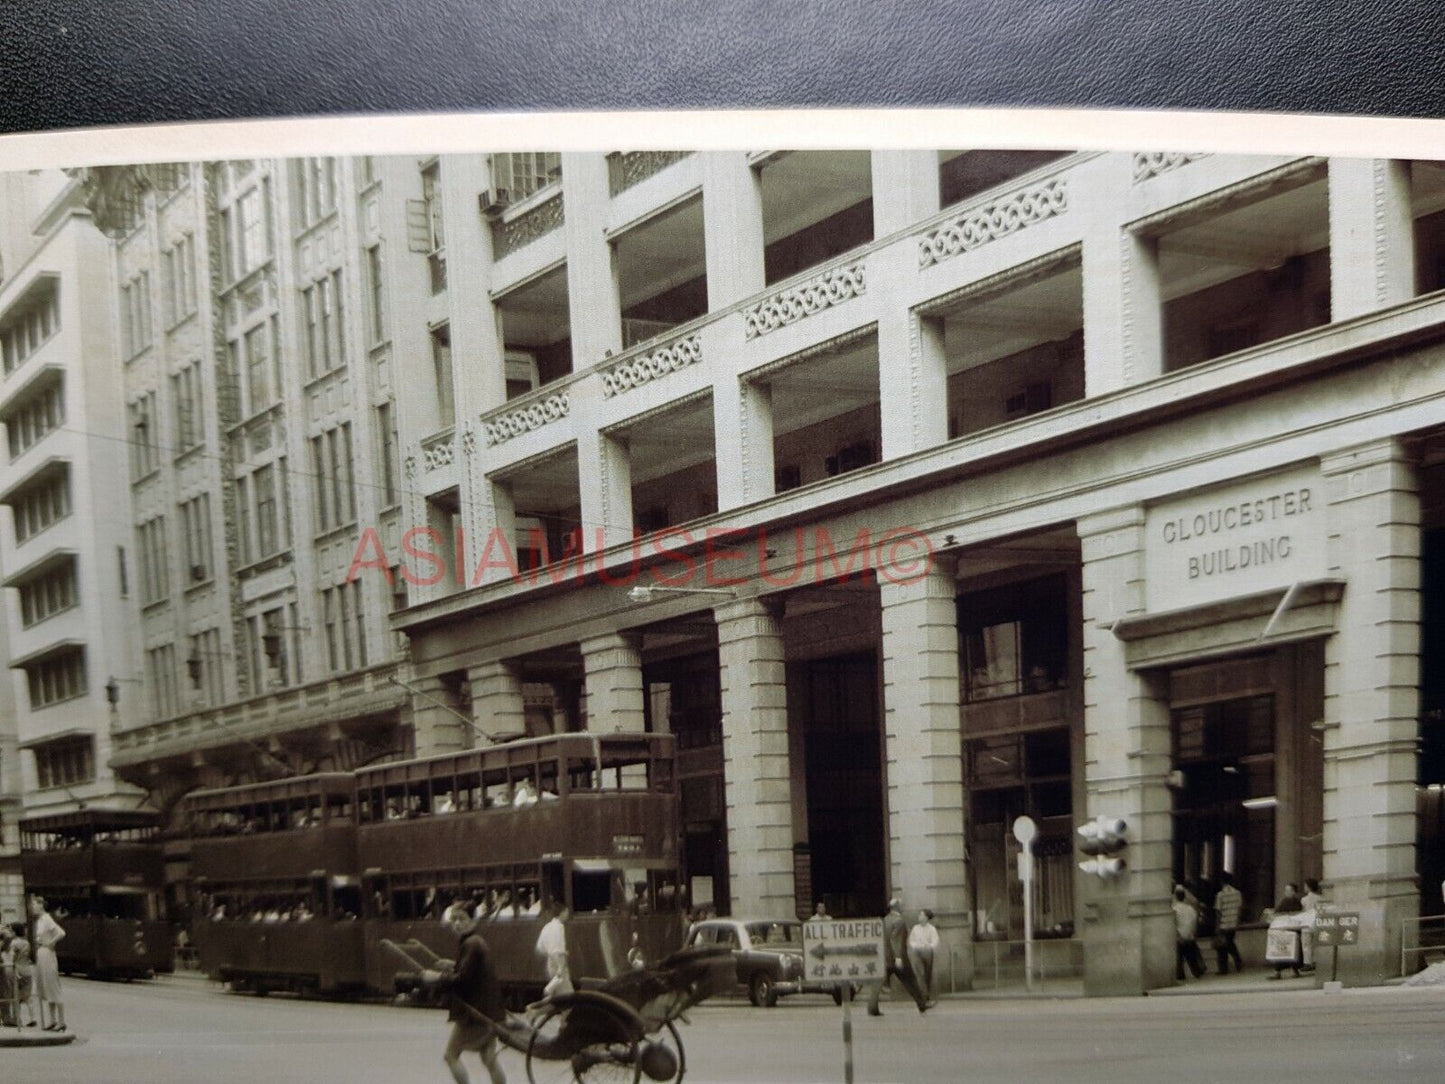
1337	928
844	950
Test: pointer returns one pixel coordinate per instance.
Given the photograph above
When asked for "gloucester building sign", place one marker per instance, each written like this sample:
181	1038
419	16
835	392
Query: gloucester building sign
1219	543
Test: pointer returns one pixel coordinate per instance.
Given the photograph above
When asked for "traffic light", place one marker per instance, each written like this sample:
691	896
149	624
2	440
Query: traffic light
1102	839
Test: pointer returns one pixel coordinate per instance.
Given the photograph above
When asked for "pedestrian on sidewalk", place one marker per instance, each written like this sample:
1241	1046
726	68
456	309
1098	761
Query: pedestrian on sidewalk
1311	901
48	934
1227	904
474	995
1284	934
1186	930
922	947
895	949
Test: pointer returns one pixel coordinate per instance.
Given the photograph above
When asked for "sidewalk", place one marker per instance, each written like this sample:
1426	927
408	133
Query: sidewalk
24	1037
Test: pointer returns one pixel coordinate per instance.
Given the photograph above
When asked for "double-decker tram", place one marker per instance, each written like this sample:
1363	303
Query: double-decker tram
586	821
101	873
275	898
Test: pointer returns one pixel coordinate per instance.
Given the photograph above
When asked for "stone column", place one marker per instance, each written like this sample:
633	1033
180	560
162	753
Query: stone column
437	729
926	815
1123	307
756	765
497	703
478	375
743	436
613	666
592	298
905	189
1126	922
732	208
1372	701
1372	241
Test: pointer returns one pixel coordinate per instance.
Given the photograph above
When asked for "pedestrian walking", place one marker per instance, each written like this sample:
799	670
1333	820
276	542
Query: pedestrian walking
1311	901
1227	904
923	946
7	977
474	998
48	934
1282	946
1186	930
895	950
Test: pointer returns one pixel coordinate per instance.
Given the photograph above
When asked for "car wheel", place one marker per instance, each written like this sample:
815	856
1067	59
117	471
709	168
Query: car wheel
762	992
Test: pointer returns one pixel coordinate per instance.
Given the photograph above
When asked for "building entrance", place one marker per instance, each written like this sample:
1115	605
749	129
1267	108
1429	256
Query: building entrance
842	742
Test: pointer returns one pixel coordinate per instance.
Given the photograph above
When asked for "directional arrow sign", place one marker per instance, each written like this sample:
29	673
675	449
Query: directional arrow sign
856	943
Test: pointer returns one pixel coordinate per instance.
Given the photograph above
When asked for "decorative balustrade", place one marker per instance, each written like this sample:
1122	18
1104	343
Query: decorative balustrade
820	292
538	221
438	451
627	168
513	423
644	368
1152	163
978	226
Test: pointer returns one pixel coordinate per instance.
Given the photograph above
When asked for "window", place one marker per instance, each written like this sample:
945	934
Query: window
196	524
27	327
48	594
1015	639
67	762
121	571
268	538
269	658
40	505
243	519
390	453
178	274
187	398
251	231
366	170
144	438
154	566
345	625
161	676
258	370
335	487
56	678
35	418
441	352
376	292
519	175
204	668
315	189
325	334
431	197
135	314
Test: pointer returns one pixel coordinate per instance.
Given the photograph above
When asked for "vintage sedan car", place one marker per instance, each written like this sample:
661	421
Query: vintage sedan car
768	952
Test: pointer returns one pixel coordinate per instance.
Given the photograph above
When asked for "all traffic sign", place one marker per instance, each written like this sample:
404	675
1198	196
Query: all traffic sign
844	950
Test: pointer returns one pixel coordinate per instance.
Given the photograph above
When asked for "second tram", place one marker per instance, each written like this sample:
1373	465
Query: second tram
101	873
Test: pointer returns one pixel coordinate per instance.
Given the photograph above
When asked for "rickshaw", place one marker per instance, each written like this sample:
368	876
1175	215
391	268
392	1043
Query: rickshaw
619	1029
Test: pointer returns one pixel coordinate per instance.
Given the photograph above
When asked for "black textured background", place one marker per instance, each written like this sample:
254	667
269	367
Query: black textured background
67	63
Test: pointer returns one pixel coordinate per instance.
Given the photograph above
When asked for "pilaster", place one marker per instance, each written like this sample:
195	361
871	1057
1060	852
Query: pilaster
592	297
497	702
732	208
613	666
1372	243
926	812
435	718
1371	706
756	765
604	469
743	436
905	189
1127	925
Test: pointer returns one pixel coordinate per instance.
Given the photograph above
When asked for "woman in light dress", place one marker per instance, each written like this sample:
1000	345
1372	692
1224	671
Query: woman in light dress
47	970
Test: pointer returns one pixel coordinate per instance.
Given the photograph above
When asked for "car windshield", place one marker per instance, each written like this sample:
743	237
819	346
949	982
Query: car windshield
775	933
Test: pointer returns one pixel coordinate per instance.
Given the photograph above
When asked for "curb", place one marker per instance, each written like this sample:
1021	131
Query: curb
9	1038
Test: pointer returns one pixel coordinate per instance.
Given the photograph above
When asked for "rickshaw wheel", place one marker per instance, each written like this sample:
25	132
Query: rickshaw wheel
593	1044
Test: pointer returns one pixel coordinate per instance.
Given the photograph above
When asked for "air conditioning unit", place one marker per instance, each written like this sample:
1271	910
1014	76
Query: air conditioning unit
494	201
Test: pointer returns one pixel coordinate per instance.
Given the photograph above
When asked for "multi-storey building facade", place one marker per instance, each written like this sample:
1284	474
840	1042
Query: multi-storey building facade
258	388
913	491
65	537
1052	484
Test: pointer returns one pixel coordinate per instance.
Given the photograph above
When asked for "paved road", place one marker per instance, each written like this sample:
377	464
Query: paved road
182	1031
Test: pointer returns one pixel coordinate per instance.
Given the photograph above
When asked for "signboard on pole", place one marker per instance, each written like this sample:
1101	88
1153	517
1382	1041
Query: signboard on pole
1337	928
844	950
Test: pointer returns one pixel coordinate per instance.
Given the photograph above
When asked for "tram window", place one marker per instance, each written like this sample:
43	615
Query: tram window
591	891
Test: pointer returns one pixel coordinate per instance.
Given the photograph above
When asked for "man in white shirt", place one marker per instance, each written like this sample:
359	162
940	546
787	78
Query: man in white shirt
923	946
552	944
